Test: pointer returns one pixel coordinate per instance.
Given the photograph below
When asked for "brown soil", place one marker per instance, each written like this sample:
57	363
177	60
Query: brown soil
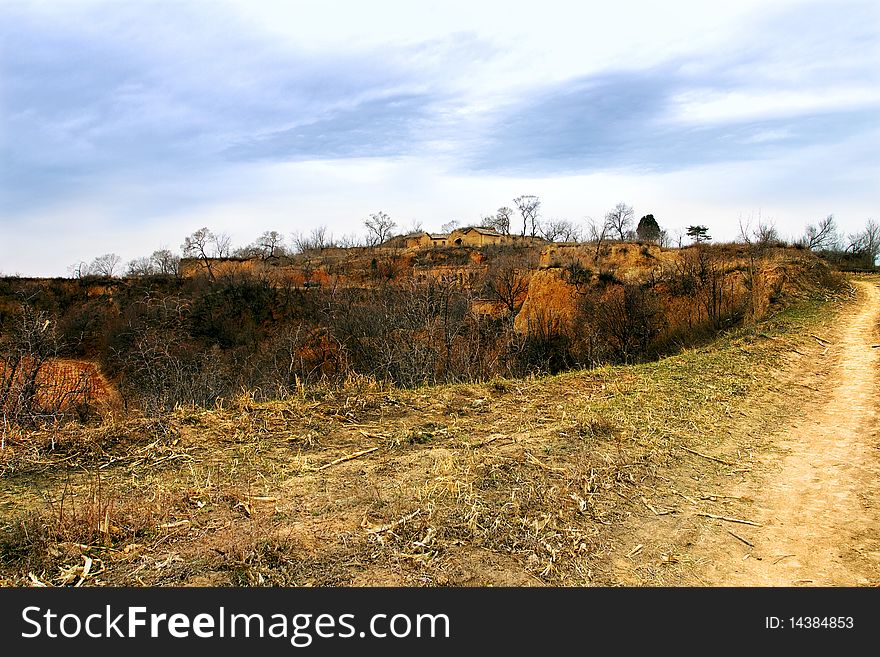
66	383
812	487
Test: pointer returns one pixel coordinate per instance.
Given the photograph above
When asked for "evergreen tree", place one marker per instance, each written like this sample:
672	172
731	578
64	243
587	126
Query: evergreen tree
698	234
648	229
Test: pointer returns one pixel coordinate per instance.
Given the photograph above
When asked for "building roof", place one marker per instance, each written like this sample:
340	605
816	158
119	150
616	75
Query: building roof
467	229
482	231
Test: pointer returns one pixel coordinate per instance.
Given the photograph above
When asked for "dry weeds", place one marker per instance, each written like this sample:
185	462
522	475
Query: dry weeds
512	482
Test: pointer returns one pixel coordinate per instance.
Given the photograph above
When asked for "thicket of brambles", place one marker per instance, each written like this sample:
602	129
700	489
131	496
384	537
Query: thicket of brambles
164	339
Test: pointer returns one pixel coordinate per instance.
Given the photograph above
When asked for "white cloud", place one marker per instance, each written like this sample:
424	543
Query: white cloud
711	107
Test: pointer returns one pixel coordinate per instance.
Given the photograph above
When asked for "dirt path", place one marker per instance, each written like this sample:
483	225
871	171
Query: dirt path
818	501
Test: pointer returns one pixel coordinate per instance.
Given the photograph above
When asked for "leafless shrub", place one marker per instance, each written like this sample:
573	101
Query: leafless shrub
33	388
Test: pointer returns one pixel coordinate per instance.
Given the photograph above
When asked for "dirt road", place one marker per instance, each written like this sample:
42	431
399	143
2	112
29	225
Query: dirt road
816	495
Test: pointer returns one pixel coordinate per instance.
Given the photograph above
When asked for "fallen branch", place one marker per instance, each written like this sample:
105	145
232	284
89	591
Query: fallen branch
784	556
813	335
664	512
740	538
385	528
348	457
713	496
172	525
706	456
635	550
689	499
728	519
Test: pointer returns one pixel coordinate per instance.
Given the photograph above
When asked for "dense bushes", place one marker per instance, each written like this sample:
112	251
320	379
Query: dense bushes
165	341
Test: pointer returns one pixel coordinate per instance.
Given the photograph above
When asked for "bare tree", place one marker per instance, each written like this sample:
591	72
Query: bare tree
500	221
321	238
316	240
105	265
821	236
379	227
160	263
450	226
222	245
560	230
166	262
627	317
866	243
349	241
270	244
678	237
507	280
764	233
28	344
528	207
751	238
415	226
619	220
142	266
199	246
597	233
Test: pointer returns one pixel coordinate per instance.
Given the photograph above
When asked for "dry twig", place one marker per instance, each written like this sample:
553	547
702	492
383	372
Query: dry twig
635	550
729	519
348	457
705	456
740	538
385	528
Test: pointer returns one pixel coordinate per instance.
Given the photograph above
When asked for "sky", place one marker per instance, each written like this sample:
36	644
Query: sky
126	126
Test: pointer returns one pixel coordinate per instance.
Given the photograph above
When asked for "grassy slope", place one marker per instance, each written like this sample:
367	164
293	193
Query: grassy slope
505	483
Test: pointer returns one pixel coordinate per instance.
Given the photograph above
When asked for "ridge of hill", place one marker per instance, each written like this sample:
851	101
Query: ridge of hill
407	316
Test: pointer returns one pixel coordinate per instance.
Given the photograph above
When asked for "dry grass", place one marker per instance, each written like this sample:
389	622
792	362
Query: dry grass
512	482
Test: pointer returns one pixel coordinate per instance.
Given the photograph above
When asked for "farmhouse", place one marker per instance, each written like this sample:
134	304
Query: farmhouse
469	236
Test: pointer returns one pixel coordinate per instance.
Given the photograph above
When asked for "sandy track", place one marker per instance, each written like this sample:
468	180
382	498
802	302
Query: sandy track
819	502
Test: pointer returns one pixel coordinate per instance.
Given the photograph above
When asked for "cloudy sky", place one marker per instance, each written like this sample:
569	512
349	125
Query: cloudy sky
125	126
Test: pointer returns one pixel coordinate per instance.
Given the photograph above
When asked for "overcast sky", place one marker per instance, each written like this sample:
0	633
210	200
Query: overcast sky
125	126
